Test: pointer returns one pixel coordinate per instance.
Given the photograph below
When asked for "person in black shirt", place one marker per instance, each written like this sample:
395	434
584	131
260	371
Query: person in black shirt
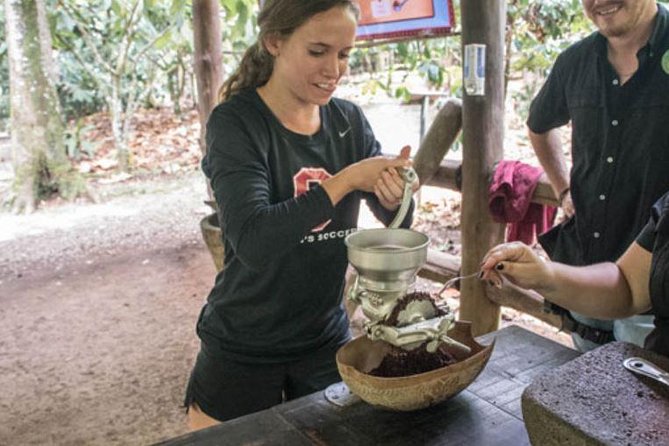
288	165
613	87
637	282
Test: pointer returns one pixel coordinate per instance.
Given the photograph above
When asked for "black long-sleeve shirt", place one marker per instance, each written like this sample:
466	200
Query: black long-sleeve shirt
655	238
279	293
620	143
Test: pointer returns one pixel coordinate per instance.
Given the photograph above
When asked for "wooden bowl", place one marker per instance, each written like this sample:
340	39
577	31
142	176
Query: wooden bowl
412	392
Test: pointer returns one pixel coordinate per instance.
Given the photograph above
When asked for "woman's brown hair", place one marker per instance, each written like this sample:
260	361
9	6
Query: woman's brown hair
280	18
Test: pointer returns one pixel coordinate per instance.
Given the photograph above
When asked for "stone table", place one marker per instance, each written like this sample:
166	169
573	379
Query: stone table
595	400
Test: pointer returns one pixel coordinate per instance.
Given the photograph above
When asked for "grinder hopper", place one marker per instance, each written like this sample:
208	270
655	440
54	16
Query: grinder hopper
389	257
386	260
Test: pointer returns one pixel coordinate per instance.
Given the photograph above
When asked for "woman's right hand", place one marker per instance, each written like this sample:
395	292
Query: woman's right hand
519	264
364	174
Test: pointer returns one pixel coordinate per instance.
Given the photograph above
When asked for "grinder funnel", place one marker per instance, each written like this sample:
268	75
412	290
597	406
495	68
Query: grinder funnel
387	256
388	259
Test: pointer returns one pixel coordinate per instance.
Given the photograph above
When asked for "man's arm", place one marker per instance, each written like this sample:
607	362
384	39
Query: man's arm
548	148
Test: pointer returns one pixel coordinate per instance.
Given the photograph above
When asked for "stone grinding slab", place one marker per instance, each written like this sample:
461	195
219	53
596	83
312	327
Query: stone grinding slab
595	400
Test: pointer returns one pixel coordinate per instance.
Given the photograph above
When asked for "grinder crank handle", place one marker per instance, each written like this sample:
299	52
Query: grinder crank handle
409	175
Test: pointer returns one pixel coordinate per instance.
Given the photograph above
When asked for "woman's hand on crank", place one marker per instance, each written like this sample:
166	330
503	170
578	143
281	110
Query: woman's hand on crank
365	174
518	263
389	187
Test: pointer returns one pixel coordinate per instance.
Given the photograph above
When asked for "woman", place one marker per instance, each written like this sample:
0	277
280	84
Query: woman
289	166
636	283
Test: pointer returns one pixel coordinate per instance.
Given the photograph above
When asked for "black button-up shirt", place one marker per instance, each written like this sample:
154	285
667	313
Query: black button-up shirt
620	143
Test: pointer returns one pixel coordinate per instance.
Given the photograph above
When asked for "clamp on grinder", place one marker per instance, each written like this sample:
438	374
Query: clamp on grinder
387	261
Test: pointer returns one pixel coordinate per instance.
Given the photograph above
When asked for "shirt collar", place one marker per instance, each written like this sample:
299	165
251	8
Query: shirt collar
660	29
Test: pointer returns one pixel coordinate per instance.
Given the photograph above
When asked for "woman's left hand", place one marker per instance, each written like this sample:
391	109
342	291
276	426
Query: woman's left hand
389	188
519	264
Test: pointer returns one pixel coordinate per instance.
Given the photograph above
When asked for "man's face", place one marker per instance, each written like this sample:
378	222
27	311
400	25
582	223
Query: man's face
615	18
311	62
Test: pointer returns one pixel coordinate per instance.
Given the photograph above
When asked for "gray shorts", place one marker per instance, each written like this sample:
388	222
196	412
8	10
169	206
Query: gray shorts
225	389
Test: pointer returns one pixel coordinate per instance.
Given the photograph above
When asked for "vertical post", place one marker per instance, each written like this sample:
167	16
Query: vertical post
483	22
208	58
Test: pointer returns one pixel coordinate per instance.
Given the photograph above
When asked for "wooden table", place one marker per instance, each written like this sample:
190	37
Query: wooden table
486	413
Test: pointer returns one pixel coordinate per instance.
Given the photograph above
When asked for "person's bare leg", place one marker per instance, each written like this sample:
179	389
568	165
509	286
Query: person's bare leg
199	420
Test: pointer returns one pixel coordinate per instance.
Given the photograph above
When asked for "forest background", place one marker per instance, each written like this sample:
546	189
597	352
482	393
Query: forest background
111	64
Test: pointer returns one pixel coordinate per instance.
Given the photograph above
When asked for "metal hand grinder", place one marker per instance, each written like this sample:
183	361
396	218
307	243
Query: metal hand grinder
387	261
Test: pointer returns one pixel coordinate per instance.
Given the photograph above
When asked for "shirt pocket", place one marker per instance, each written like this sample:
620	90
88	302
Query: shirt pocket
586	109
649	111
584	98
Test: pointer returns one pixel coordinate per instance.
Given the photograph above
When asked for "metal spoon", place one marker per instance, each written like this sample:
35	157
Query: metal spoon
646	368
451	282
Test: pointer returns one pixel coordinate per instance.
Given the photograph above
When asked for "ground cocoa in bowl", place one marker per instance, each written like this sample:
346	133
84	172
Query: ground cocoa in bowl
400	362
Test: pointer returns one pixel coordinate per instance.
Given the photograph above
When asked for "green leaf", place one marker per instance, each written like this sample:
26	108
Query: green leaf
118	9
178	8
164	40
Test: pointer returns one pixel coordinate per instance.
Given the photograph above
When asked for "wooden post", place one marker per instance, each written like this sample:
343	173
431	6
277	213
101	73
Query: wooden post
208	59
483	22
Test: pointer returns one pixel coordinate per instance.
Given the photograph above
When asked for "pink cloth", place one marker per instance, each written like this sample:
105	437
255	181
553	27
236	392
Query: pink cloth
510	201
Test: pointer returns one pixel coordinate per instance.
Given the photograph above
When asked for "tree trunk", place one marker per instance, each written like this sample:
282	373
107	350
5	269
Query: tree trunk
116	114
508	42
207	62
483	138
38	151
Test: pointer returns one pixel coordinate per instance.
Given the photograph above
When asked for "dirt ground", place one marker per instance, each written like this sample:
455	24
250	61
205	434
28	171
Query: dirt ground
97	335
98	304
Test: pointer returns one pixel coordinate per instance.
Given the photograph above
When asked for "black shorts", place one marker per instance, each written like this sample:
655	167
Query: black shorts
225	389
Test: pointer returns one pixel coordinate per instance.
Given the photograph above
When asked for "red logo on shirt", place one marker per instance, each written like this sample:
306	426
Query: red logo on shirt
307	178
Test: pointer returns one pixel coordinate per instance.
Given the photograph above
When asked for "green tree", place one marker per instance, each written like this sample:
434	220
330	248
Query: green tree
111	40
40	164
537	31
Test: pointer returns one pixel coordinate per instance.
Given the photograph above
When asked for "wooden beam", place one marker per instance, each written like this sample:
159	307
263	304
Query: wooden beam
483	22
442	133
447	175
441	267
449	172
526	301
544	194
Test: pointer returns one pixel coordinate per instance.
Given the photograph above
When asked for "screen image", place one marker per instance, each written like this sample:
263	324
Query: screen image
386	19
383	19
381	11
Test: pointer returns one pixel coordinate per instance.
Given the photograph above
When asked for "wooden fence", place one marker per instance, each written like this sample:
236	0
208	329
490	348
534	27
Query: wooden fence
433	170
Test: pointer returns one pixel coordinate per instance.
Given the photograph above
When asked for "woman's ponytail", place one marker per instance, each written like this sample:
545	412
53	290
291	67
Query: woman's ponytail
254	71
